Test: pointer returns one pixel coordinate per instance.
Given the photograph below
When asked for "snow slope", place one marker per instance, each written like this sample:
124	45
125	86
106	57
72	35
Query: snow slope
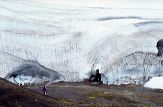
72	38
155	82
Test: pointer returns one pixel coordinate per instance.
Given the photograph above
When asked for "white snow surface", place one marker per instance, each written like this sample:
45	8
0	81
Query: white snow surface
70	37
155	83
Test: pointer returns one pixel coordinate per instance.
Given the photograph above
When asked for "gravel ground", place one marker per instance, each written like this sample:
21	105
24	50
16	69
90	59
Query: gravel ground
82	94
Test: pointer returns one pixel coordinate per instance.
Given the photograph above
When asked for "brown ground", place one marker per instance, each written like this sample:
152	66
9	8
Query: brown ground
81	94
65	94
12	95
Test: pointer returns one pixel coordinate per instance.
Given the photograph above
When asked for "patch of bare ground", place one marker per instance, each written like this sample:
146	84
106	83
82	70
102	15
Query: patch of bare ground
12	95
79	94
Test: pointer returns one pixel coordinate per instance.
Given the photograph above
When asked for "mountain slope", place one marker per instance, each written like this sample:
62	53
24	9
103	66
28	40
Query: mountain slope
15	96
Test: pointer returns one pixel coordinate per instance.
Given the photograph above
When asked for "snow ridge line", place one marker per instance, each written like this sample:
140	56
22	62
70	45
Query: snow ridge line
12	55
29	61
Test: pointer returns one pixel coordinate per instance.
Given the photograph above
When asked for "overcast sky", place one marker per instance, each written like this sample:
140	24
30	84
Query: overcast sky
147	4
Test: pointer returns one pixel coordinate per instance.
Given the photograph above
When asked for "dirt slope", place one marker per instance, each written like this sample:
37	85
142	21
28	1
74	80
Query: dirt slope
80	94
65	94
12	95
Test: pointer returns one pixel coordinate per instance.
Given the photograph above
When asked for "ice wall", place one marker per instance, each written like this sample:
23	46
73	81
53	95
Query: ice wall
137	68
70	39
33	72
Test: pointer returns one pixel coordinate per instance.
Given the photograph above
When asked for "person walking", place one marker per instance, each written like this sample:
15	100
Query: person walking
44	90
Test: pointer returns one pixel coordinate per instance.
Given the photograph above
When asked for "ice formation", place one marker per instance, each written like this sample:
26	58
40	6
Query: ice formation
71	38
137	68
33	72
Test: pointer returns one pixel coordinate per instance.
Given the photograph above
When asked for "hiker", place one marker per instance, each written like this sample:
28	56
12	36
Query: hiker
44	90
96	77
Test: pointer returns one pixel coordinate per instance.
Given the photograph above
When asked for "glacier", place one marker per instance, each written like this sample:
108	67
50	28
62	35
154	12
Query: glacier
33	72
136	68
73	38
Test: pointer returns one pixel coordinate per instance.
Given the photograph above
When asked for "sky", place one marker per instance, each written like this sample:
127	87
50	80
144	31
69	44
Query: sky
145	4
